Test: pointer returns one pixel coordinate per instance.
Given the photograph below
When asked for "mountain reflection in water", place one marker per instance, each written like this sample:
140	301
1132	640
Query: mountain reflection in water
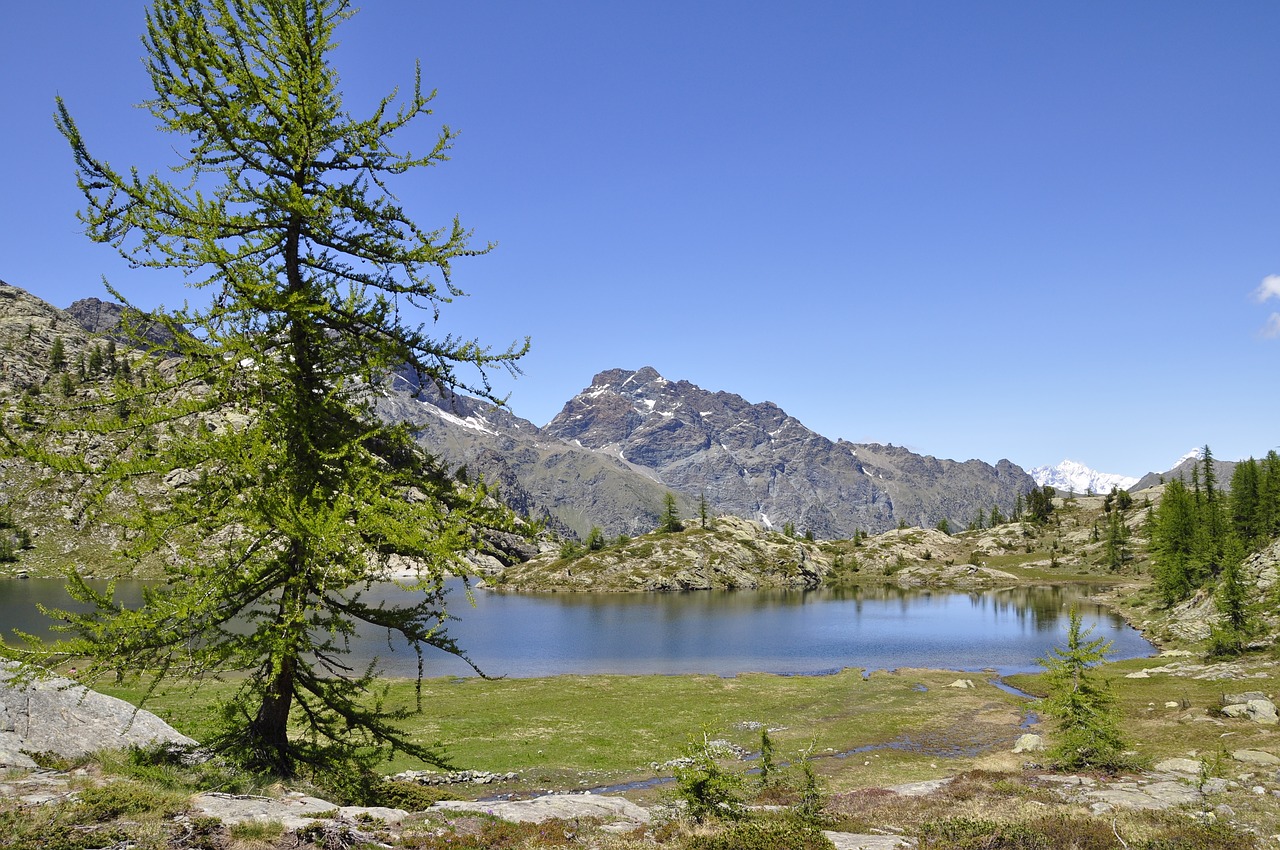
715	632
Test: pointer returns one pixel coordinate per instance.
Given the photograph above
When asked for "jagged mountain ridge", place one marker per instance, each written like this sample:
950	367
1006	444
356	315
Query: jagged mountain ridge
752	459
613	466
1070	476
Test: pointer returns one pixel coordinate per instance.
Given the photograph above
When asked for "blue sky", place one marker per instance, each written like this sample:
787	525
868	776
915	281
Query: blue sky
1022	230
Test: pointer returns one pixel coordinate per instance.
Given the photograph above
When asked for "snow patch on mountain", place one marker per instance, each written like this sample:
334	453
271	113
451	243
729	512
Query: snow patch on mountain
1072	476
1195	454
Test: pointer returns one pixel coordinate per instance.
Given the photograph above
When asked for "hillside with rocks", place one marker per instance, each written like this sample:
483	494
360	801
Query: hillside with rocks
730	554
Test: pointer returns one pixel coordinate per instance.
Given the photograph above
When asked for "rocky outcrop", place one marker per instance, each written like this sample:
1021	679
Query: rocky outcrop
730	553
105	318
56	715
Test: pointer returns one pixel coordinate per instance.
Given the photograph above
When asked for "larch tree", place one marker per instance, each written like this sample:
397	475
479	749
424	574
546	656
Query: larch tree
320	288
1082	702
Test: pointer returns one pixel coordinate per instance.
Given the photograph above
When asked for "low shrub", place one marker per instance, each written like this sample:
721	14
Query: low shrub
762	835
409	796
503	835
102	803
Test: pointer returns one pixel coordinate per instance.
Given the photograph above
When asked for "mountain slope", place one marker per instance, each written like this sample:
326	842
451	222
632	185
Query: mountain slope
1222	471
754	459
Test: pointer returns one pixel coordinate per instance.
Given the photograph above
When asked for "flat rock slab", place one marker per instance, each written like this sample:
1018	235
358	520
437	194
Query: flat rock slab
42	786
294	812
56	715
1148	791
919	789
860	841
1188	767
552	806
1258	757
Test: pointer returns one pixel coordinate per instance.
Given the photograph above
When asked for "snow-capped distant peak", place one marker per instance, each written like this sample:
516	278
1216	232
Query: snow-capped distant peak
1072	476
1195	454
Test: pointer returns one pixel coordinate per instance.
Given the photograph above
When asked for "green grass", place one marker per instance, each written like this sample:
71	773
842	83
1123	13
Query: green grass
610	726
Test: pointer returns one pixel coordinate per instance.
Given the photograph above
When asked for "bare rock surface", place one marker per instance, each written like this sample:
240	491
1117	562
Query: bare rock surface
1144	791
58	716
864	841
552	806
295	811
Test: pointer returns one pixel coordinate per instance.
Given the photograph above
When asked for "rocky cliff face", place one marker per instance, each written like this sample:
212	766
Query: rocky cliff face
754	459
104	317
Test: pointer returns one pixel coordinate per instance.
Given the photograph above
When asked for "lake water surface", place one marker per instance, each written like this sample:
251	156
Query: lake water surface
717	632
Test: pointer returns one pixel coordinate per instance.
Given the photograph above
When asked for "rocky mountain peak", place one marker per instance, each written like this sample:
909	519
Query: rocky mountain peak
750	459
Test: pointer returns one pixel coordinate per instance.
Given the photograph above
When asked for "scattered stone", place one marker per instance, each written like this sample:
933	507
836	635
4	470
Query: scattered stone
457	777
1173	704
551	806
1138	674
1257	757
1028	743
961	683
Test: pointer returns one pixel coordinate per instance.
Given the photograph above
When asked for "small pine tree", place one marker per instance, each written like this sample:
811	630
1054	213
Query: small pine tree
1232	600
707	789
670	515
703	511
766	757
1082	703
94	366
595	539
57	355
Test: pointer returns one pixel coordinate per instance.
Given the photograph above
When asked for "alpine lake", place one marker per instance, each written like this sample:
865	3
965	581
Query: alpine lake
721	633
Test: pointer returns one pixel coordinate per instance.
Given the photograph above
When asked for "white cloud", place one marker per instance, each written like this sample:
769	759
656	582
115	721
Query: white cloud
1269	288
1272	329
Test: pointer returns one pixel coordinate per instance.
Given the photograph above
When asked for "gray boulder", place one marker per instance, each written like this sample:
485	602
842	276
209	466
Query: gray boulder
1258	710
56	715
1028	743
